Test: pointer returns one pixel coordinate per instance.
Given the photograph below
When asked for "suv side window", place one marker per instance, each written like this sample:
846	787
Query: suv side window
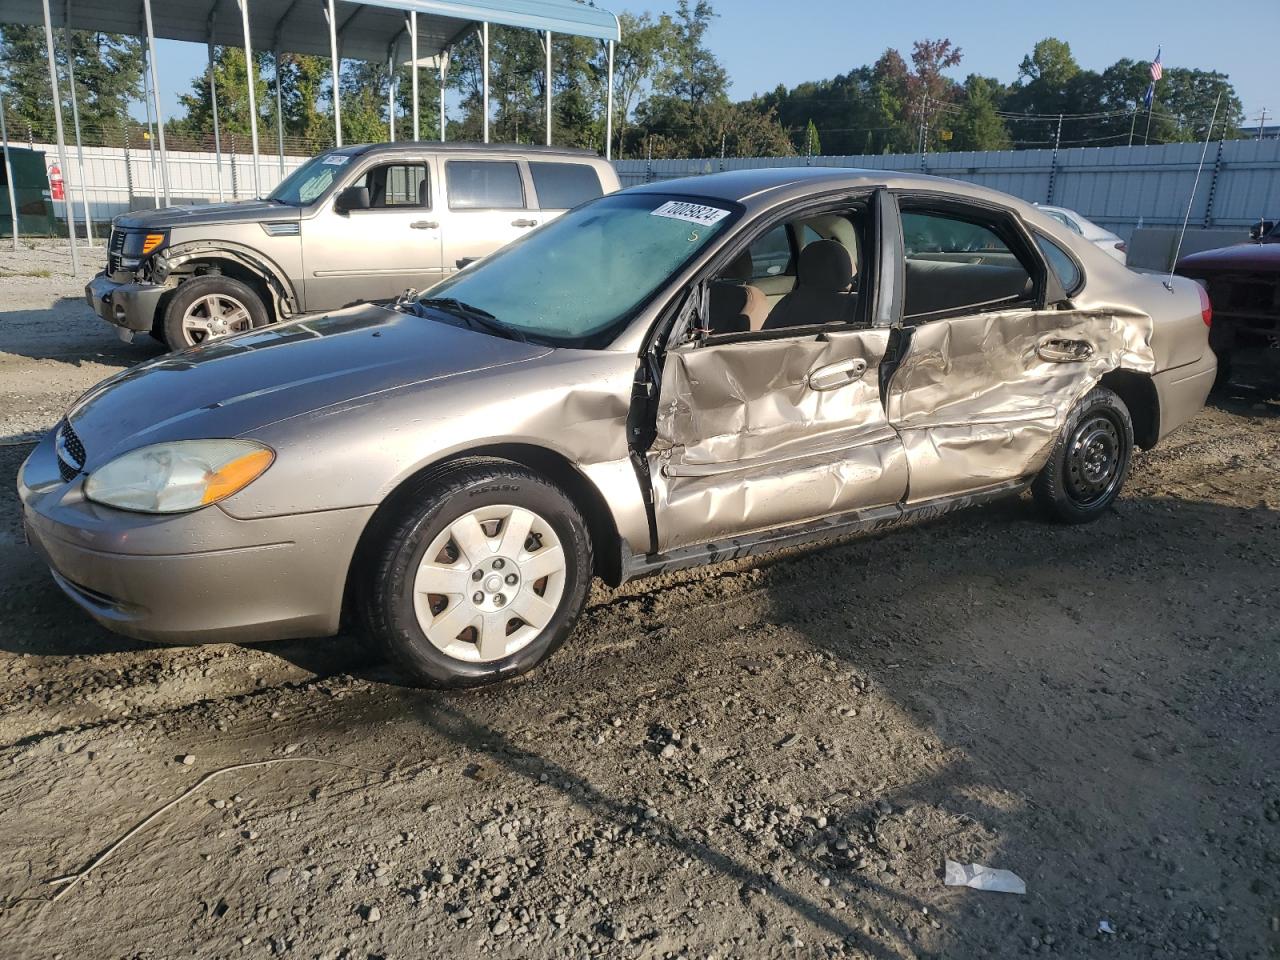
393	185
561	186
957	265
771	255
484	185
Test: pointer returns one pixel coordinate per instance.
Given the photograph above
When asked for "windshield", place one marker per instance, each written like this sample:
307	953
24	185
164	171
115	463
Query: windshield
311	180
580	277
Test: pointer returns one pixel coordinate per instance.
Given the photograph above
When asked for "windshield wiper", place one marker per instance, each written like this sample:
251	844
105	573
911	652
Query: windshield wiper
478	318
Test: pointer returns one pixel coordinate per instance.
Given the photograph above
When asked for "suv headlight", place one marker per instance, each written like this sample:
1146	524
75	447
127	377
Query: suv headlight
179	476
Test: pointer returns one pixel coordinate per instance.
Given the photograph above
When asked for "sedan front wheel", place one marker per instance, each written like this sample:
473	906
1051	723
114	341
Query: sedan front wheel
481	576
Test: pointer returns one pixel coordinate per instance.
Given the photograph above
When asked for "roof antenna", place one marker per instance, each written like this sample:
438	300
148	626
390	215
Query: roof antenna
1168	284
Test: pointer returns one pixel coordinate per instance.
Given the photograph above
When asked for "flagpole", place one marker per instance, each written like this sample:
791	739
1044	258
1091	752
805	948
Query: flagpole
1151	106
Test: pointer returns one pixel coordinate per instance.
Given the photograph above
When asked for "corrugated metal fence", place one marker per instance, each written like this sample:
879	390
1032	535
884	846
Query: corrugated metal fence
1118	187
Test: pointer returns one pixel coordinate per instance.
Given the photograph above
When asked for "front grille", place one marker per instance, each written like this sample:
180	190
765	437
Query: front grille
114	249
70	450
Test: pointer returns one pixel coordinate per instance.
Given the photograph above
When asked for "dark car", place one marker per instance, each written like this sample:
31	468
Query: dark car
1243	282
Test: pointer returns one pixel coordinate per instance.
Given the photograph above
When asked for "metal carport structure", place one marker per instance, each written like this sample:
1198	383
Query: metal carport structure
368	30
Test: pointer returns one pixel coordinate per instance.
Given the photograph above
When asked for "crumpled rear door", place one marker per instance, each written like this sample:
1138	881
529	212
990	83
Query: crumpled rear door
760	433
980	400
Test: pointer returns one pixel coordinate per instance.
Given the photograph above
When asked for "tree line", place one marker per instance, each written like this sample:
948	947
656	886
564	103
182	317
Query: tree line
671	97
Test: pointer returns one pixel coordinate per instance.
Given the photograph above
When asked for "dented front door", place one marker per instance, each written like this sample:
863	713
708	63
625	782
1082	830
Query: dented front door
761	433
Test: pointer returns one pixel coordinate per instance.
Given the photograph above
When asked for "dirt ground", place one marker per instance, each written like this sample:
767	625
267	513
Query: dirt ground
765	759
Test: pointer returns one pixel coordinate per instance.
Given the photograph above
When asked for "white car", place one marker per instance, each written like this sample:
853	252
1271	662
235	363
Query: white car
1098	236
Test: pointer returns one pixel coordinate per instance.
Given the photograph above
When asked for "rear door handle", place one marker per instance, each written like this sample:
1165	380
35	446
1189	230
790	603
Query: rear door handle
524	223
423	225
838	374
1059	350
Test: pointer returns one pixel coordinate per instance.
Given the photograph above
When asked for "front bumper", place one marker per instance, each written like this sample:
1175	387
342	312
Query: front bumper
132	307
200	577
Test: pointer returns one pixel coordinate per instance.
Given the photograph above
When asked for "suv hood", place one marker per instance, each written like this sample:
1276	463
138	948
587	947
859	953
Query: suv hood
242	383
202	213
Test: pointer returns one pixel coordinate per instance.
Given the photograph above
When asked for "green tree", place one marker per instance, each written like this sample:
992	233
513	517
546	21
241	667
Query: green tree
812	142
196	122
978	125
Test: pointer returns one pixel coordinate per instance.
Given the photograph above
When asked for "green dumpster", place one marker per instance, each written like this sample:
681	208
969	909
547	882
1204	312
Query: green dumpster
31	189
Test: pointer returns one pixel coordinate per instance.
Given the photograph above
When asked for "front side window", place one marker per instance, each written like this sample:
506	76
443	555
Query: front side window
484	185
398	185
561	186
954	264
583	275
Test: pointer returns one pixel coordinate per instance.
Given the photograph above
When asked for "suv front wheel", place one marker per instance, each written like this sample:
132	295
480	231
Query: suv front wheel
209	307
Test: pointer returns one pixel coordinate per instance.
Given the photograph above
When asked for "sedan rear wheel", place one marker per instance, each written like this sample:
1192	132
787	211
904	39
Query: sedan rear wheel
1090	461
478	573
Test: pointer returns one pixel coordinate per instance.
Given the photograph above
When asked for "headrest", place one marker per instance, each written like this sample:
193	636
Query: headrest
825	265
740	268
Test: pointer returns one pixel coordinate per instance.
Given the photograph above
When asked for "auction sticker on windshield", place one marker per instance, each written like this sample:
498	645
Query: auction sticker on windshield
340	160
692	212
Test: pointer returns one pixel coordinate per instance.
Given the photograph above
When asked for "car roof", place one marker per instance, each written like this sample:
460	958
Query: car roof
440	146
764	186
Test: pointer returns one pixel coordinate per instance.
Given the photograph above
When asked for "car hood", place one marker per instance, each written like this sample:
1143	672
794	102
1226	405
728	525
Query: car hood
233	386
1251	257
202	213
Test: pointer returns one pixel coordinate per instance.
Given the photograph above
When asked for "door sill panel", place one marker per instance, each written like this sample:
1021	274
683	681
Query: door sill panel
811	532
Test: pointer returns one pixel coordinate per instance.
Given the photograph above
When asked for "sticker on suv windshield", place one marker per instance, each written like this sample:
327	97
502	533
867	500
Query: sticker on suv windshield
339	160
692	212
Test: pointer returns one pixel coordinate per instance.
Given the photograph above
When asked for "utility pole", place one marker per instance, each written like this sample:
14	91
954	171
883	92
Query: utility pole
1133	122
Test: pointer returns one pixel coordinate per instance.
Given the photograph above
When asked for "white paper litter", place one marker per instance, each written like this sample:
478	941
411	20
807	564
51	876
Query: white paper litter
1104	926
981	877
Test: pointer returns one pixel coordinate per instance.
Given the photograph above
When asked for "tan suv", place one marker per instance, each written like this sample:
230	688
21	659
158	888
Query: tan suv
359	223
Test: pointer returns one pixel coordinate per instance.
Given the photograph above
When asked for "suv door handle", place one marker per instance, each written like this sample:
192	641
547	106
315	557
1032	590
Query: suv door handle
837	374
524	223
423	225
1058	350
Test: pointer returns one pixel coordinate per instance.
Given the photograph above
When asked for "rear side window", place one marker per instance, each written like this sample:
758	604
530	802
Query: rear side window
771	254
1060	263
484	185
955	265
563	185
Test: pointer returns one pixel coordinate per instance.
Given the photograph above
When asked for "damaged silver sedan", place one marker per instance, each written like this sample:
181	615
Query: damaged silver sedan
674	375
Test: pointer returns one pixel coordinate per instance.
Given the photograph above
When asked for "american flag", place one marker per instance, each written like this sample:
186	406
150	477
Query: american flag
1157	72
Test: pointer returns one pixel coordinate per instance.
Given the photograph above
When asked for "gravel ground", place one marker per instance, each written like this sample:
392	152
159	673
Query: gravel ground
766	759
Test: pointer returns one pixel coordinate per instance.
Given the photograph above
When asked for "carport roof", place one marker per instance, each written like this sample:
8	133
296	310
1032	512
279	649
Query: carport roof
365	29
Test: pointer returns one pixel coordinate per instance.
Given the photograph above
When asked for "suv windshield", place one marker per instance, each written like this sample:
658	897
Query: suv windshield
311	180
580	277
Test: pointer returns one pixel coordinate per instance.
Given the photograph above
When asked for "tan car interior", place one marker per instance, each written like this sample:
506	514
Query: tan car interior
817	286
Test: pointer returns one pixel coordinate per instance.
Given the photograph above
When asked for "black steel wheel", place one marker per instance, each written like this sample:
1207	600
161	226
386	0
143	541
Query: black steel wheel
1090	461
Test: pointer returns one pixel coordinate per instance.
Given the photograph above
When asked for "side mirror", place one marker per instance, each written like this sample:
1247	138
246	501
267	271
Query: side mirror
352	198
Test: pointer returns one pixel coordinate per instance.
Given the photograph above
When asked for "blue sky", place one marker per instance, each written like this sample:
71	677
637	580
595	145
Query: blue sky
766	42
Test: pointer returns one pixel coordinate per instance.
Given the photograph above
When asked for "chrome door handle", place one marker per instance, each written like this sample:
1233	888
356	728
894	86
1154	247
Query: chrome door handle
423	225
524	223
1059	350
837	374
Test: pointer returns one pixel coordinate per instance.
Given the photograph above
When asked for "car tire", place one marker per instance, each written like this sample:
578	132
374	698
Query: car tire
214	300
1090	460
499	607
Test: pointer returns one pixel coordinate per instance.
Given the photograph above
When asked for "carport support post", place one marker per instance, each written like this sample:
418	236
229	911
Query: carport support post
279	116
608	112
253	104
548	90
333	69
444	75
484	57
62	140
213	99
413	57
155	96
391	92
75	122
8	174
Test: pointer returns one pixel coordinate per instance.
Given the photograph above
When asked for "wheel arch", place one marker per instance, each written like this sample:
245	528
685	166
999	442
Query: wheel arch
555	467
245	264
1138	392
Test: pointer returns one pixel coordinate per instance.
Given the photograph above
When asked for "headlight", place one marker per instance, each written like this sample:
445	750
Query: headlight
180	476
